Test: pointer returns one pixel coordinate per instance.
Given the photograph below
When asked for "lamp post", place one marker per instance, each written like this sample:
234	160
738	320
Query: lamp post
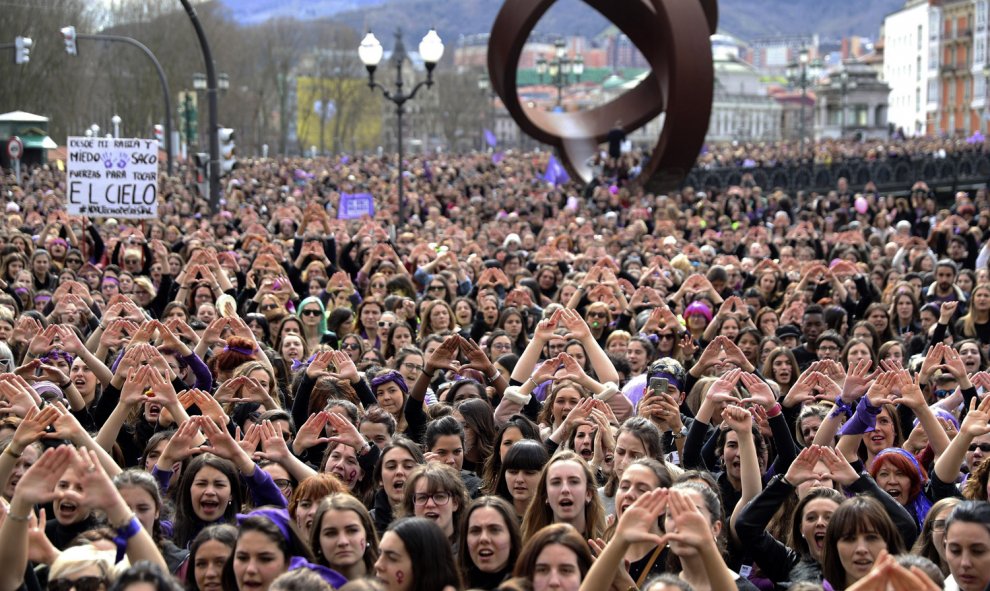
560	69
370	51
95	129
798	75
116	120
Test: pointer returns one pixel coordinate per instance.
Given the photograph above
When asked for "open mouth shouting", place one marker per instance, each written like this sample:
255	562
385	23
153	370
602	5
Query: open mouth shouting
67	511
210	508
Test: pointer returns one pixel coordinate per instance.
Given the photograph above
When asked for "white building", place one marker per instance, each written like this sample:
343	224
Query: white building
906	59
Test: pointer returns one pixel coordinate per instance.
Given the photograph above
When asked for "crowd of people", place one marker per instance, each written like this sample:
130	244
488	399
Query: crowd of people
518	386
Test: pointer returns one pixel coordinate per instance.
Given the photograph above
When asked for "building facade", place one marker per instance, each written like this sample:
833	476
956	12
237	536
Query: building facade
852	102
905	65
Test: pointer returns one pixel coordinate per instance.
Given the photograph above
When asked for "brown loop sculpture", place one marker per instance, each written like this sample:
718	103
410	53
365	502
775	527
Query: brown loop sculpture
673	36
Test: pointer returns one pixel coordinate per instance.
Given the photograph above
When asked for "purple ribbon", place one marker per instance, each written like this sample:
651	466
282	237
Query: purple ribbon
241	350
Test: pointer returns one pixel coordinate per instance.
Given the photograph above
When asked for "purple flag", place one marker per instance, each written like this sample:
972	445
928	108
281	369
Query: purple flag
356	205
427	173
555	173
490	138
497	157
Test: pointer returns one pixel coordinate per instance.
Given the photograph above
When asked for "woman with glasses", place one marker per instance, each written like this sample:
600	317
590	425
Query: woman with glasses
499	343
353	346
74	260
435	491
312	314
409	363
931	541
385	322
438	289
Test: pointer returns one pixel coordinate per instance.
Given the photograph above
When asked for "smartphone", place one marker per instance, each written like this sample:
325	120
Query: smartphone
658	386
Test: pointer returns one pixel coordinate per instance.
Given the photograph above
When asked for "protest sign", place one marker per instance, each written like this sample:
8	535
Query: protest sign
112	177
356	205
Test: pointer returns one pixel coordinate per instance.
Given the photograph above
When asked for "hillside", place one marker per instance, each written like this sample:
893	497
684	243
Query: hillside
746	19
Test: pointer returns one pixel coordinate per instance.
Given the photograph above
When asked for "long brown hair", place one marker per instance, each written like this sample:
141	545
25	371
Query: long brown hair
540	514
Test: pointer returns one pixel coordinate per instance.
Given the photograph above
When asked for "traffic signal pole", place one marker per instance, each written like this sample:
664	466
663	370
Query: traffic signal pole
211	96
161	79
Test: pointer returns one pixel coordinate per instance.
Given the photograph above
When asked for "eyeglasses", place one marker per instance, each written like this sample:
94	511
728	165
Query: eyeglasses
283	483
351	346
439	498
310	312
938	525
597	315
73	261
435	288
268	307
984	447
384	324
501	347
943	393
666	337
412	366
80	584
828	348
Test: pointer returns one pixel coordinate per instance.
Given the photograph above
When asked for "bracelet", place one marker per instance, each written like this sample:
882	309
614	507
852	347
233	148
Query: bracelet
127	531
774	410
493	378
13	517
10	451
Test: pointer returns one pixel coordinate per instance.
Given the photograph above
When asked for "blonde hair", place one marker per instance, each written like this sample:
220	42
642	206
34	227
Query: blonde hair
76	559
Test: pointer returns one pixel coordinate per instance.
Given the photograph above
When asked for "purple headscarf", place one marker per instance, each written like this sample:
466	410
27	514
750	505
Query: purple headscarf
280	517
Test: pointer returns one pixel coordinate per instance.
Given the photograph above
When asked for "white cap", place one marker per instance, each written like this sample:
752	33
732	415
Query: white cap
13	207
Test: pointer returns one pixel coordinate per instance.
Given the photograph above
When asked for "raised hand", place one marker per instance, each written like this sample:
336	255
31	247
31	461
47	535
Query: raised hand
802	469
37	486
802	392
759	391
838	466
857	381
639	519
723	390
311	433
738	419
445	356
880	392
346	432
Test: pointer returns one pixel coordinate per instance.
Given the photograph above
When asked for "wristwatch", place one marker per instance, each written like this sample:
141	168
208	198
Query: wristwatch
680	434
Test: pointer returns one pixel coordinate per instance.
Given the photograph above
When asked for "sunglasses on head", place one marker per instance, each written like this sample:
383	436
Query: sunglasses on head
80	584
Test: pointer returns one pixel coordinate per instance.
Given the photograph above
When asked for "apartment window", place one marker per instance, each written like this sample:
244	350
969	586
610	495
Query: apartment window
920	36
917	100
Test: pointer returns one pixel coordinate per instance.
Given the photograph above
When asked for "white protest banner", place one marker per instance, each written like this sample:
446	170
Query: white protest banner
112	177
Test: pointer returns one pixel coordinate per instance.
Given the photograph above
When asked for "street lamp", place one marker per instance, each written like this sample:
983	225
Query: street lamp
199	81
798	75
370	51
95	129
116	125
223	82
560	69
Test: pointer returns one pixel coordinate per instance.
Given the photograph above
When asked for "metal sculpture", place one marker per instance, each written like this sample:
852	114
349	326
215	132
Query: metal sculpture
672	35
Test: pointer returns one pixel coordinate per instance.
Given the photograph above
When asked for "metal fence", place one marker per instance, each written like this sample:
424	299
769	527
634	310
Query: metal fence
893	175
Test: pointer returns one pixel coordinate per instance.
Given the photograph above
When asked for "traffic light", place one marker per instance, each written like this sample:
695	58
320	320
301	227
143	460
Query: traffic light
228	151
69	34
202	161
22	50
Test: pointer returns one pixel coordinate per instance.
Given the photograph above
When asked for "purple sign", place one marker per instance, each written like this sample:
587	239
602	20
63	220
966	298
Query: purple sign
356	205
